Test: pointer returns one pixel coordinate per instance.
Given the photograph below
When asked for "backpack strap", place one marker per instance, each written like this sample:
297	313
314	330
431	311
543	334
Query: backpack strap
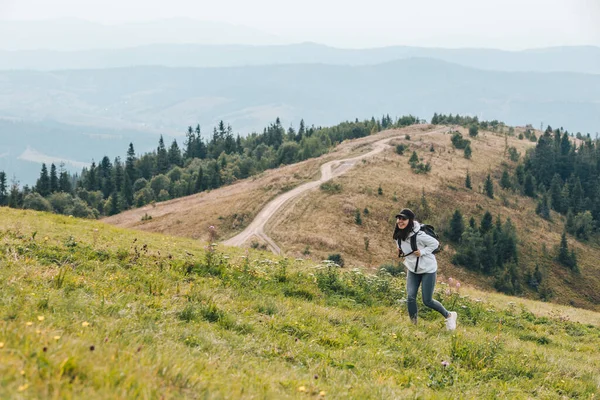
413	242
413	245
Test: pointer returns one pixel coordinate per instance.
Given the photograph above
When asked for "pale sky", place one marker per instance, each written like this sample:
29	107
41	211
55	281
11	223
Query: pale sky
504	24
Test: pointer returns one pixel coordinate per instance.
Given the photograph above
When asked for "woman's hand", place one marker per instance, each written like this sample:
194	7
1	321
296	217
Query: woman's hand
417	253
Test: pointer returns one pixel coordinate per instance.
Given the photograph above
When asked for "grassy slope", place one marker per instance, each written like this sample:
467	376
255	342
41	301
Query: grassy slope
168	320
321	223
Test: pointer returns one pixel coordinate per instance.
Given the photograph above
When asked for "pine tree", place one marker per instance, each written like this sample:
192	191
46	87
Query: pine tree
53	179
468	151
577	195
468	181
542	209
64	180
162	157
105	177
114	204
414	158
472	223
564	257
457	227
130	163
190	144
505	180
118	175
3	189
301	131
174	154
529	186
43	183
556	199
489	187
127	190
487	223
15	198
473	130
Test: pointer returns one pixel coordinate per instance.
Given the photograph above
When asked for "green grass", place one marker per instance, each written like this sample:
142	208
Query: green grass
95	312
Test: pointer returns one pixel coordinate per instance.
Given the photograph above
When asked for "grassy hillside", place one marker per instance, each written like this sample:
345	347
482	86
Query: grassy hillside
323	222
92	311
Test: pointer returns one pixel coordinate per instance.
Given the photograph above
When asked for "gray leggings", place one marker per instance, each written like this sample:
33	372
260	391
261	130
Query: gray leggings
428	284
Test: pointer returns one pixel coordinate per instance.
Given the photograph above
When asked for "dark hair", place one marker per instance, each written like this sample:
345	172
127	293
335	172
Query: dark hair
402	234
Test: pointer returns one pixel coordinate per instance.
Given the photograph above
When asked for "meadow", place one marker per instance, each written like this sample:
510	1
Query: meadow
93	311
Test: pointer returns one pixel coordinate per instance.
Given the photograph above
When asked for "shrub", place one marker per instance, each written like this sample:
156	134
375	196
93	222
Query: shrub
336	258
473	130
357	218
400	149
35	201
458	141
330	187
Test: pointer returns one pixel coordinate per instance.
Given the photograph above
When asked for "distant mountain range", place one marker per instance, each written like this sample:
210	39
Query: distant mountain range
166	100
583	59
137	93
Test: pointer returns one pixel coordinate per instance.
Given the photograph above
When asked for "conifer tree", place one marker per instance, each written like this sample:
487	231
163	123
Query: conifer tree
556	200
529	186
487	223
91	183
15	198
127	190
43	184
162	158
174	155
566	258
414	158
64	180
543	209
505	180
118	175
489	187
3	189
457	227
105	177
190	144
473	130
468	181
468	151
472	223
130	163
53	179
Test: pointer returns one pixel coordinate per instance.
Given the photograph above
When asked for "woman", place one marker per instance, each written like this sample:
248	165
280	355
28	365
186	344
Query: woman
421	265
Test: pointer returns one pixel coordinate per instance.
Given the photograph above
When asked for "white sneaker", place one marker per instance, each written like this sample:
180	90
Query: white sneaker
451	321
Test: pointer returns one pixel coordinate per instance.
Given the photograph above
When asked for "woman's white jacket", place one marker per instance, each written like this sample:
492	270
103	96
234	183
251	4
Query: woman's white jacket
426	263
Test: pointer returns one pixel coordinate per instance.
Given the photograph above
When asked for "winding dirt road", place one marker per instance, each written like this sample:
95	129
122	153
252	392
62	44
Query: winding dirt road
329	171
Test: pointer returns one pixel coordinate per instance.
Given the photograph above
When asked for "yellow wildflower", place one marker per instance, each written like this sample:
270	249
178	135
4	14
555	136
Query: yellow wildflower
85	324
40	317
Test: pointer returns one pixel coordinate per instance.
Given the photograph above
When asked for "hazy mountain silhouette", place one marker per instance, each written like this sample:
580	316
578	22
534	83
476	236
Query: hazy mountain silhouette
167	100
585	59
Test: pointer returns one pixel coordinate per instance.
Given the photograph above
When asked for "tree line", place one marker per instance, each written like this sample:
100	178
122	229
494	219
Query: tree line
111	186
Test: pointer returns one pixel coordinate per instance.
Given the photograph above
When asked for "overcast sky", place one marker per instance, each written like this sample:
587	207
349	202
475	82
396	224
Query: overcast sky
505	24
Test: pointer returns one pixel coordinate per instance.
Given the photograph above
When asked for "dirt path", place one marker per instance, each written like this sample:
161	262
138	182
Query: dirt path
329	171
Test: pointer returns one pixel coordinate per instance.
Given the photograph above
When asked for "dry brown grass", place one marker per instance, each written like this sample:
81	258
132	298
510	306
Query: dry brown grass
318	224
